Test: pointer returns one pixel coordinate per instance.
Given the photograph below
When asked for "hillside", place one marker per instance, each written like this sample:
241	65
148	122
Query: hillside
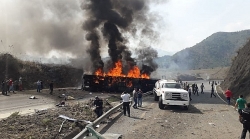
63	76
238	76
216	50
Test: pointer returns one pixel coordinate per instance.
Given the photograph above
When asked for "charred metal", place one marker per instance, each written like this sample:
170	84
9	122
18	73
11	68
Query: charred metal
95	83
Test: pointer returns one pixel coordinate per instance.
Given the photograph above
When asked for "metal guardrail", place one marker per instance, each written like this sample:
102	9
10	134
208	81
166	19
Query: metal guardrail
85	131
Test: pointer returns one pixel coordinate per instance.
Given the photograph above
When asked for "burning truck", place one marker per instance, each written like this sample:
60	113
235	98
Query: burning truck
105	23
114	81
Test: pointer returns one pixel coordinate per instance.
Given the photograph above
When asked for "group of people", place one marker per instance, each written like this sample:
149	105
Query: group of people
243	109
40	86
10	85
137	97
193	89
244	114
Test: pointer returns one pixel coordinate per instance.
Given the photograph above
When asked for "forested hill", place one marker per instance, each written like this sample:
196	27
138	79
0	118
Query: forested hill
216	50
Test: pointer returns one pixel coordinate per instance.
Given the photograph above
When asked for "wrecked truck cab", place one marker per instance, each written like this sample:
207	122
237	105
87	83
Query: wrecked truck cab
173	94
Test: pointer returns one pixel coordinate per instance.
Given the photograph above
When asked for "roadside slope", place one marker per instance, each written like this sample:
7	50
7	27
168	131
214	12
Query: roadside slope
237	79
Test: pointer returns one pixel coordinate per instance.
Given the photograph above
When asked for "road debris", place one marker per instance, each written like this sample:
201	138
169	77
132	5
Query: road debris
212	124
42	111
33	97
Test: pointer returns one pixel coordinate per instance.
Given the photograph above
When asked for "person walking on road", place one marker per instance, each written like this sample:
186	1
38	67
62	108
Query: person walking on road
140	98
135	97
212	91
228	95
202	87
245	120
125	103
240	103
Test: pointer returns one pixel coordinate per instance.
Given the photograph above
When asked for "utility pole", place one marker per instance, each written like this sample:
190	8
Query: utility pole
6	68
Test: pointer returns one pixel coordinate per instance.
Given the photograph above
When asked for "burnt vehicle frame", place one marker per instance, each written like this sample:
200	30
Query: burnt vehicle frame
96	83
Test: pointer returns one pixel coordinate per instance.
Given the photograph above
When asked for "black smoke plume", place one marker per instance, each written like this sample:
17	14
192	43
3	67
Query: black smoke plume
112	18
146	57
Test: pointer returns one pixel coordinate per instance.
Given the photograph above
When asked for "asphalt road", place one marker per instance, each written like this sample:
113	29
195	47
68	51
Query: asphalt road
22	104
206	118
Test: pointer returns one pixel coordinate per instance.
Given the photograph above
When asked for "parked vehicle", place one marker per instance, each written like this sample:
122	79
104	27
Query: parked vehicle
158	86
172	93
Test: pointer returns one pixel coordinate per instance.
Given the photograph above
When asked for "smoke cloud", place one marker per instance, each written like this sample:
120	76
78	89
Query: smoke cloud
40	26
83	29
113	18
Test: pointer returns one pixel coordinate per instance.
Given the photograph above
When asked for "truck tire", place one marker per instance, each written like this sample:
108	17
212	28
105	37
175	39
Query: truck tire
185	107
156	98
161	105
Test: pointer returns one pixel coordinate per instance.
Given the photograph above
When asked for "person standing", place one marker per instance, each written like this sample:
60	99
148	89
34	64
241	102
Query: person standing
51	85
196	89
193	88
20	84
212	91
38	83
125	103
3	88
140	98
245	120
189	92
228	95
41	85
202	87
240	103
187	87
7	85
98	106
135	97
11	85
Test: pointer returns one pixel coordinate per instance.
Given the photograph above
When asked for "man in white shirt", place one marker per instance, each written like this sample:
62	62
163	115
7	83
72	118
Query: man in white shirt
125	100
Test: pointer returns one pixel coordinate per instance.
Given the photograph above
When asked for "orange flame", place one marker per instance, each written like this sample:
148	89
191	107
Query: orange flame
99	72
117	71
145	76
134	72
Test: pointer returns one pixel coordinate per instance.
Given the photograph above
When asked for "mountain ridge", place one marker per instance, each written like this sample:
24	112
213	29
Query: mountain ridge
217	50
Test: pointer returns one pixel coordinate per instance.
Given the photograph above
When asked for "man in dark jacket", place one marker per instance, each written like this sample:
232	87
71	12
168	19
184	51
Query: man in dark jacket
98	106
245	120
51	86
3	87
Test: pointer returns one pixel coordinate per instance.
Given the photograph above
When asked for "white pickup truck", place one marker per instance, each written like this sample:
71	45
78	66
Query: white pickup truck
171	93
158	86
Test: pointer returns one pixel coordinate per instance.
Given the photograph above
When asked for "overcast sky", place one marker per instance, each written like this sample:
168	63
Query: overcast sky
182	24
